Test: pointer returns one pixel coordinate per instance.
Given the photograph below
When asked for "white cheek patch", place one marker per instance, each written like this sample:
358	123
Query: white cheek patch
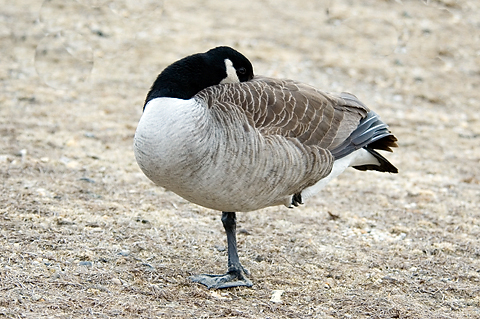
231	73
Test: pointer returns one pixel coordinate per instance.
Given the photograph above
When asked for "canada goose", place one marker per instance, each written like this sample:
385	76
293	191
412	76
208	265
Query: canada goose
221	138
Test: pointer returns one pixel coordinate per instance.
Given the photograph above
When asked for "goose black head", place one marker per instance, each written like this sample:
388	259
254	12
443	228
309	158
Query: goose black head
188	76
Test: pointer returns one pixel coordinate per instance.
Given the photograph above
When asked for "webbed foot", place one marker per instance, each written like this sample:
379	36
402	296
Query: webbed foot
233	278
236	275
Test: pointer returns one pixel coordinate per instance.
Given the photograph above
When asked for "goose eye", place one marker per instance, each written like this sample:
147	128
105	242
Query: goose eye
242	70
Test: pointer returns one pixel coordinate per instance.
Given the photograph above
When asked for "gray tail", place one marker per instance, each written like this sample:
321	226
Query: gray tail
371	134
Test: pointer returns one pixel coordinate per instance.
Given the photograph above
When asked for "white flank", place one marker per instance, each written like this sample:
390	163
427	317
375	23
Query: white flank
357	158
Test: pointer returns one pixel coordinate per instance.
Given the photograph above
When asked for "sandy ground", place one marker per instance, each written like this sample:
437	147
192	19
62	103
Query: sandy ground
84	234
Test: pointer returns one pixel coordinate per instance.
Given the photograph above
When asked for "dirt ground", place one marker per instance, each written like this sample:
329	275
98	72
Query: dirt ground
84	234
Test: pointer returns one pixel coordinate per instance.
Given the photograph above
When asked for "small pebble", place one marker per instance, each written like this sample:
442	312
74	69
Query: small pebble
259	258
88	180
85	263
148	265
116	281
22	153
277	296
220	248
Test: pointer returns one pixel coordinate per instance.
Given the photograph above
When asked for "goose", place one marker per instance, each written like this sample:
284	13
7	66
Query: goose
220	137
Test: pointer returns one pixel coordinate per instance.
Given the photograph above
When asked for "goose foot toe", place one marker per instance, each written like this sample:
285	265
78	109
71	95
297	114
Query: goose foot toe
230	279
297	199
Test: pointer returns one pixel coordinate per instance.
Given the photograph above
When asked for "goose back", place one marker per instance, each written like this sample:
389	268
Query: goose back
290	109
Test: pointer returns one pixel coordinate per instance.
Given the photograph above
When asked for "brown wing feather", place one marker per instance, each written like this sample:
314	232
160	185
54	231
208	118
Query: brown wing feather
293	109
296	115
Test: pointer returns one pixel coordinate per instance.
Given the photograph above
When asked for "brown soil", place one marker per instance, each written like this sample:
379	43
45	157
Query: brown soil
84	234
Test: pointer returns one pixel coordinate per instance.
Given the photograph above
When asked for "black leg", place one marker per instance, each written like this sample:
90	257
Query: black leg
236	275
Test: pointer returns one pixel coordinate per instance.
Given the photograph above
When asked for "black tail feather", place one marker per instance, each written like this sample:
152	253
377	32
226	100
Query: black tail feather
384	144
371	133
385	165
